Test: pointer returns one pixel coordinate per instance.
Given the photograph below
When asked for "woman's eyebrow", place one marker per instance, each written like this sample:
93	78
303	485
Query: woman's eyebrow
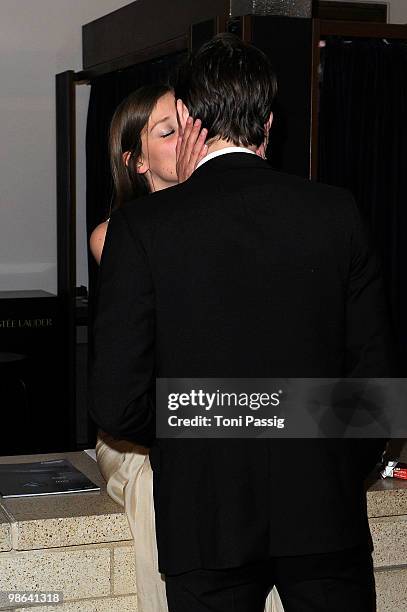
159	121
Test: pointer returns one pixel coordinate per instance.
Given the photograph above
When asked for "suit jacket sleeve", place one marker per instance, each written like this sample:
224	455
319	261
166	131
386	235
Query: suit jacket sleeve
369	339
121	389
370	349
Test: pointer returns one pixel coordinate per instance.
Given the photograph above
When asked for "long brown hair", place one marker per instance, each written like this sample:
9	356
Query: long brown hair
128	122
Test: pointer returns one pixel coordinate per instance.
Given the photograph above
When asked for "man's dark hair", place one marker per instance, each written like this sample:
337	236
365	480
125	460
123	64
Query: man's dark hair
230	86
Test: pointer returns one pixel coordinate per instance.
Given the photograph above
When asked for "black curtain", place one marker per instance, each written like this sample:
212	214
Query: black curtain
363	147
106	94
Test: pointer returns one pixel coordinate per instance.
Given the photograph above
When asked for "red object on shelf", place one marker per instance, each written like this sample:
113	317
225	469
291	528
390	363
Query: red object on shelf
395	469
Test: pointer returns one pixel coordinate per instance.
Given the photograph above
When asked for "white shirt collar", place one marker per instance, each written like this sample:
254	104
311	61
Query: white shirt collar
223	152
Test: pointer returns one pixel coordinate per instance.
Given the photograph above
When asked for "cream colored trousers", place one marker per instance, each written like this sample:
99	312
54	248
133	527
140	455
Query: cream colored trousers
129	478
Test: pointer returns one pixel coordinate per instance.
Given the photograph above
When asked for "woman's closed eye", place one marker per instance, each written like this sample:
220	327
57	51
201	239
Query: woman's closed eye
168	134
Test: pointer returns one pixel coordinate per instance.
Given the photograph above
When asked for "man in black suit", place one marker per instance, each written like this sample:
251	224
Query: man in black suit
242	271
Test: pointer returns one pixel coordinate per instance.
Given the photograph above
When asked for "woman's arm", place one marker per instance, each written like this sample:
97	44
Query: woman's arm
97	240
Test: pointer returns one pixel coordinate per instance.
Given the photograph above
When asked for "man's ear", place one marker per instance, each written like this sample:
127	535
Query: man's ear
269	122
261	150
141	166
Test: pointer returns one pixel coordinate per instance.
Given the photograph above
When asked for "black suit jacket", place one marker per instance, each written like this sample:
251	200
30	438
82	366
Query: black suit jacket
240	271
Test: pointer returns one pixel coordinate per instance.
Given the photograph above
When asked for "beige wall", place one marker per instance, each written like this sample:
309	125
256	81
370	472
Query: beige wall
38	38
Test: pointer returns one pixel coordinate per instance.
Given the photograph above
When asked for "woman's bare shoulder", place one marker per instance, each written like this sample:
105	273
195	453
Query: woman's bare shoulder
97	240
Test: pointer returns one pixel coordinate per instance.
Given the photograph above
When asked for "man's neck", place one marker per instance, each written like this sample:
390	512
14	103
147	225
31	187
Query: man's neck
219	144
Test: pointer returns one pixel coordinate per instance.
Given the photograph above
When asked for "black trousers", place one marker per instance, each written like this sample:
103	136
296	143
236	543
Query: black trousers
328	582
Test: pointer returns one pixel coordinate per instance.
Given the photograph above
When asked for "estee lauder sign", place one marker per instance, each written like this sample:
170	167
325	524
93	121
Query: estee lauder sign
27	323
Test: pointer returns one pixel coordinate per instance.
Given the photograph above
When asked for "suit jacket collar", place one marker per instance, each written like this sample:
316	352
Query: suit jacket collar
229	161
224	151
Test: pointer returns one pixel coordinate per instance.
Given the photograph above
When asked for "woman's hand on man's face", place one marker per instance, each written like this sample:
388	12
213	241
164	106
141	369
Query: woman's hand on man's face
191	147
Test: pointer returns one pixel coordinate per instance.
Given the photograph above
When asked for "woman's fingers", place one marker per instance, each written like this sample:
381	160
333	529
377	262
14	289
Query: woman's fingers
185	138
203	152
178	148
192	136
193	140
191	148
186	135
183	117
199	149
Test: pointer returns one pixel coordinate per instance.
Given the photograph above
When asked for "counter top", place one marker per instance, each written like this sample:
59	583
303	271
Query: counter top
62	520
50	521
81	544
387	497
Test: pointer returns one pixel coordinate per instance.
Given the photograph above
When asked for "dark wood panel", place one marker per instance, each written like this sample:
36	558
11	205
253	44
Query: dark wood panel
315	76
351	11
141	25
66	230
363	29
66	180
143	55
